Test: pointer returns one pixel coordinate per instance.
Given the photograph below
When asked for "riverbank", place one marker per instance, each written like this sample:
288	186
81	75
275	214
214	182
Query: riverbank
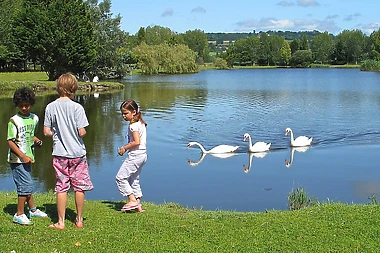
11	81
172	228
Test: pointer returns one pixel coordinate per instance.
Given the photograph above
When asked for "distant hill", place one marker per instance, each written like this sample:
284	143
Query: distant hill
288	35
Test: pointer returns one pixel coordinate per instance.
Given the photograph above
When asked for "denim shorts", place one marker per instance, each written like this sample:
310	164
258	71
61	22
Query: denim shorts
22	177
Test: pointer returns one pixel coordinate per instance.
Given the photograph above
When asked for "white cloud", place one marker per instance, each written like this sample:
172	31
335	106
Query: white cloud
198	10
285	3
370	27
167	12
266	24
307	3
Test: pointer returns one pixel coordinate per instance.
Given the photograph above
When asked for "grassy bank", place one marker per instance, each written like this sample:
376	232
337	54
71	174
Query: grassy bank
10	81
172	228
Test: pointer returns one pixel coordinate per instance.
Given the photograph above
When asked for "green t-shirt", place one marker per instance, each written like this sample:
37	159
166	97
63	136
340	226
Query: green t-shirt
22	130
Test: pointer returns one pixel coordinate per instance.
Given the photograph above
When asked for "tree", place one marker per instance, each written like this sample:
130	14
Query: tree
196	40
109	39
375	45
165	58
286	53
322	47
301	59
295	45
9	55
58	34
304	45
349	46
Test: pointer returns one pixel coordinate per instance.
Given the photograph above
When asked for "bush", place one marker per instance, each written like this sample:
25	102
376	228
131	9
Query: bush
220	63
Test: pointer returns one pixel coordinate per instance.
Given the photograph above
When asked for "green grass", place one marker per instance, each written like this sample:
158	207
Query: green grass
173	228
10	81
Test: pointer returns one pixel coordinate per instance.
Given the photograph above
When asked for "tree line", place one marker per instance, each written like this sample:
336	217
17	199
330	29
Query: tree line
348	47
84	36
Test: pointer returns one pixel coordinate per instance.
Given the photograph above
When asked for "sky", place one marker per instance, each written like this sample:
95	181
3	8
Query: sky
212	16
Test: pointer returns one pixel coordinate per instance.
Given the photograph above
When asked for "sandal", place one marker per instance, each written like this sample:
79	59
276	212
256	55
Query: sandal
127	207
78	223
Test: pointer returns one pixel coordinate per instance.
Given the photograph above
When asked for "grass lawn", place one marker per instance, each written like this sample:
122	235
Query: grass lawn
172	228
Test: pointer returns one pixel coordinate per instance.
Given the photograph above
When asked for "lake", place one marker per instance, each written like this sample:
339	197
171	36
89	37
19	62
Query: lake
339	108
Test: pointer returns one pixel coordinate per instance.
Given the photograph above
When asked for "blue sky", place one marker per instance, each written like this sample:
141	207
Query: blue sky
248	15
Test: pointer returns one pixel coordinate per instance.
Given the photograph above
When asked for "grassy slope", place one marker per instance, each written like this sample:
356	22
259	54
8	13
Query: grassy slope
172	228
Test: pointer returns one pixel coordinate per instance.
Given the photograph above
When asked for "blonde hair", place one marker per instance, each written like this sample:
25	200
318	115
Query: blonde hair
67	85
131	106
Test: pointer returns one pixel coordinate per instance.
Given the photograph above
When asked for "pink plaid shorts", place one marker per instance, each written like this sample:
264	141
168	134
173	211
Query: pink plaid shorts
71	172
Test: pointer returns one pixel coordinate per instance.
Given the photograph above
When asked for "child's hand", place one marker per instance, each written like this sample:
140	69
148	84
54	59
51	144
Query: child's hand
37	144
27	159
121	151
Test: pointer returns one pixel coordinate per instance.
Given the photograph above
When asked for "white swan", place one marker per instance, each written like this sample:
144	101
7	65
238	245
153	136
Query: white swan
216	150
292	149
300	141
258	146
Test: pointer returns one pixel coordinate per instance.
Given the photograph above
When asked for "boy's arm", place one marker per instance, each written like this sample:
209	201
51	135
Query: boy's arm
12	145
81	132
47	131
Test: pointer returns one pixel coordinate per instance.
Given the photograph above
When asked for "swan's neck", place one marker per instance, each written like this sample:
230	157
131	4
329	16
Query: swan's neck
291	136
201	147
250	142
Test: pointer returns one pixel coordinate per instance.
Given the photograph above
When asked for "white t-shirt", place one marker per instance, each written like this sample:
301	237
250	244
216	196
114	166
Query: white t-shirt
139	127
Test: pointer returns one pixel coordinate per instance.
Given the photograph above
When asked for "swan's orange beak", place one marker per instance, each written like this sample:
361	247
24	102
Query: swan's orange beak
286	133
244	138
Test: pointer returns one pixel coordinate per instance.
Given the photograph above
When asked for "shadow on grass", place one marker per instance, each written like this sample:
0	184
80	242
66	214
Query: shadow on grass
50	209
114	205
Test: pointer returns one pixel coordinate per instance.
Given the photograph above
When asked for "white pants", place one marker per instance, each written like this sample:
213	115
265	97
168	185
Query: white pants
128	177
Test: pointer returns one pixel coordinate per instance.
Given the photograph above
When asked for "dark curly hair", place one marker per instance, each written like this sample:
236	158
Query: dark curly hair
24	94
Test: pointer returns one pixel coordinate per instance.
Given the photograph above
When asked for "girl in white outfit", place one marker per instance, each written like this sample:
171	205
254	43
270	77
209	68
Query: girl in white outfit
128	177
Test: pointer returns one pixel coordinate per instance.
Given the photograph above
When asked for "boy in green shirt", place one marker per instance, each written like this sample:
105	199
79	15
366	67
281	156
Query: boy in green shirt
21	141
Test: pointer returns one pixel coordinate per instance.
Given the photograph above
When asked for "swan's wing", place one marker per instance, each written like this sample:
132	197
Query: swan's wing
260	147
223	149
302	141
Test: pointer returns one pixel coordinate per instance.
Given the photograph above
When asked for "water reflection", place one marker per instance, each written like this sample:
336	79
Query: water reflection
223	156
250	157
292	149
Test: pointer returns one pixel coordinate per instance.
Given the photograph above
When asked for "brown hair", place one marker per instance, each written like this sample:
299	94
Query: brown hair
131	106
67	85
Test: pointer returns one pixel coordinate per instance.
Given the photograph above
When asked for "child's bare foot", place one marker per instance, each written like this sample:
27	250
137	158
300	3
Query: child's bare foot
57	226
78	222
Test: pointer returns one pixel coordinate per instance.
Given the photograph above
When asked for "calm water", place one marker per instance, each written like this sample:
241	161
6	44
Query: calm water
339	108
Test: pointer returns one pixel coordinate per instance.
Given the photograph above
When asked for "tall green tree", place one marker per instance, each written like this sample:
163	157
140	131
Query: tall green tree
322	47
58	34
375	45
109	38
196	40
10	58
349	46
304	45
